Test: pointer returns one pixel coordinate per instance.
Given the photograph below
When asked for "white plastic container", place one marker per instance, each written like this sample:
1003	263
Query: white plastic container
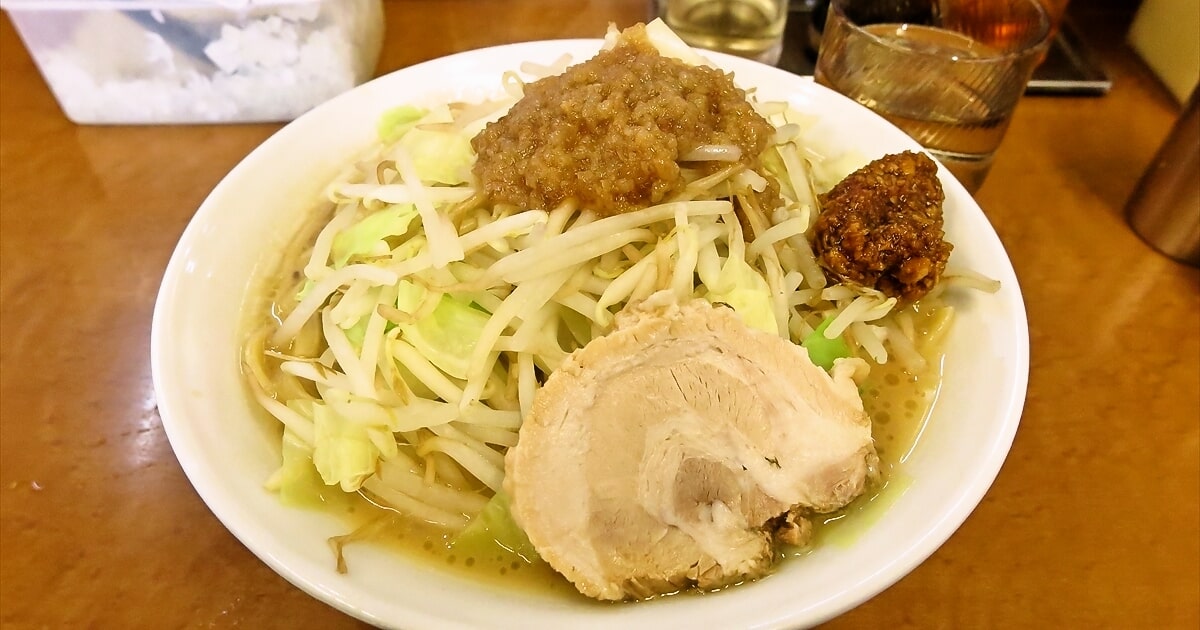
198	61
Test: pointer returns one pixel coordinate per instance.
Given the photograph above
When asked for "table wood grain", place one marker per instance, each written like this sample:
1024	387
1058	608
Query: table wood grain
1094	521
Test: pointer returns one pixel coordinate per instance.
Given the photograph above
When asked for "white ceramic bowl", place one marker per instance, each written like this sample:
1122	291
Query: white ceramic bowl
227	452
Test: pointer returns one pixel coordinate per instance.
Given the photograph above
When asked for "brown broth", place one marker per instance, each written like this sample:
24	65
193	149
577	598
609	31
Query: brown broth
488	563
899	404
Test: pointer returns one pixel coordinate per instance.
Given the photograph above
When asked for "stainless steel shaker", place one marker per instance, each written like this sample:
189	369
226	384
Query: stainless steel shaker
1165	207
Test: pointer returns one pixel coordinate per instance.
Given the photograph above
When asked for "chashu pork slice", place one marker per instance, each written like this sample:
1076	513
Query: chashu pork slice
678	450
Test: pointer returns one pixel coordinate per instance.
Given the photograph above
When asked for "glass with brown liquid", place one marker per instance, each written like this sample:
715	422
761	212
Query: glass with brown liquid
951	82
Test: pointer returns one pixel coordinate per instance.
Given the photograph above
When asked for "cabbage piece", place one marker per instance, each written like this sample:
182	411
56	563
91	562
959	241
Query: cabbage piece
308	286
822	350
447	337
409	296
773	164
343	451
358	333
744	290
440	152
297	481
441	156
828	172
397	120
495	526
355	302
366	238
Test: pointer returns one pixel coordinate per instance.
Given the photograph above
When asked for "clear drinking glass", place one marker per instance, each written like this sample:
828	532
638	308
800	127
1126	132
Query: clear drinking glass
747	28
949	72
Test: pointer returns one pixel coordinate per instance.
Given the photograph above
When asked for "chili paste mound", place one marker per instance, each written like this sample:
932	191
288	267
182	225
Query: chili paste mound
882	227
609	133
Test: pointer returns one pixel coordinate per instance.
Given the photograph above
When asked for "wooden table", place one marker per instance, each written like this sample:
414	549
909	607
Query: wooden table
1093	521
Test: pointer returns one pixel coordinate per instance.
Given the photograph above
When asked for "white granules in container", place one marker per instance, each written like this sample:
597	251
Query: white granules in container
198	62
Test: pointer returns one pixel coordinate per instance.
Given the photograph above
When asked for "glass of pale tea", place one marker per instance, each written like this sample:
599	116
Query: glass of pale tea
949	73
746	28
